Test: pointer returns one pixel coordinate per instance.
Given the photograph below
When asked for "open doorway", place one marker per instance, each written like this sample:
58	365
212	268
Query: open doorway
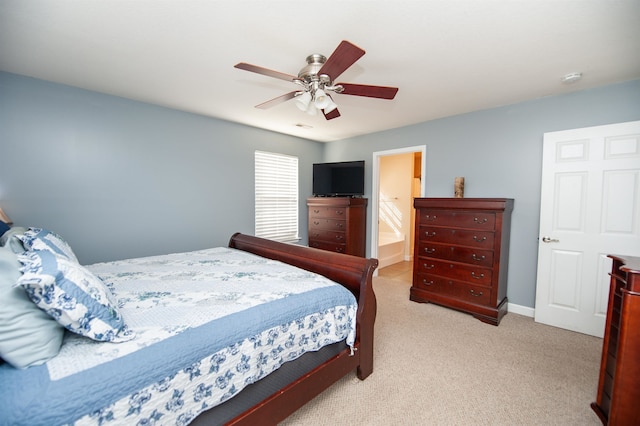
397	177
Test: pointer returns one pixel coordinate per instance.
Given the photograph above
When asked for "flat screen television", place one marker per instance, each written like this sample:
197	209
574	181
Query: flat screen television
343	179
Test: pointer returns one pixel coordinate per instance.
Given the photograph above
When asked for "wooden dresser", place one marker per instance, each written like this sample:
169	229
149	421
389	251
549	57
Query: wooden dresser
618	398
338	224
462	254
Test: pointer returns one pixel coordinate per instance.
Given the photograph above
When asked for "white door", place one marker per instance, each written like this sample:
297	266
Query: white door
589	207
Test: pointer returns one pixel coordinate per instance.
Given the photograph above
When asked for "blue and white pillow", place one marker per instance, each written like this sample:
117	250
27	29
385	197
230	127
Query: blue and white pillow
72	295
43	239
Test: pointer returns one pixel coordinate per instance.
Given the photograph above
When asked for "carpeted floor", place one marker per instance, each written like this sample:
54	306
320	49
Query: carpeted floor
436	366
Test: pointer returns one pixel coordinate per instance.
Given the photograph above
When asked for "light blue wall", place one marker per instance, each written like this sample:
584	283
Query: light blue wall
499	152
118	178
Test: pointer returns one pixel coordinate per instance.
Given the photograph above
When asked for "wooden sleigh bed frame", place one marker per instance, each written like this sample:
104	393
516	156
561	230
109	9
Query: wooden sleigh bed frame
354	273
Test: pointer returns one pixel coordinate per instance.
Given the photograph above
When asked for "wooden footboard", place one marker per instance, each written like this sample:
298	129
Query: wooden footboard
355	273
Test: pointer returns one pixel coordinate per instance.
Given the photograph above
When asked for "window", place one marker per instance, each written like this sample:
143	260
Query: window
276	196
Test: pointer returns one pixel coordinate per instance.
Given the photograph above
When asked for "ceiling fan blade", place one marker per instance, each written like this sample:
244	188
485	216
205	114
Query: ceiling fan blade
265	71
275	101
345	55
331	115
381	92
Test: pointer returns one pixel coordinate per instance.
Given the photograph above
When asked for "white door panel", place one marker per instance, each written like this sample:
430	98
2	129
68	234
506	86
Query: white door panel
589	207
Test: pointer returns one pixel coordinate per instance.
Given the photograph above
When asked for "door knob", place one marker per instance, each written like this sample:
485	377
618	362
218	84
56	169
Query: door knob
549	240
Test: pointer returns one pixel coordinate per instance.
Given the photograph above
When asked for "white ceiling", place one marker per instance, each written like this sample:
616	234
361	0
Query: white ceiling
446	57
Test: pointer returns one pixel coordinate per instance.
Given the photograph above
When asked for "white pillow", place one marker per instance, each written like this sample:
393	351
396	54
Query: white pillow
28	336
13	239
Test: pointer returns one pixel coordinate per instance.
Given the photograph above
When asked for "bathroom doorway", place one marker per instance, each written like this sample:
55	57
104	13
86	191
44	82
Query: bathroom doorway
397	178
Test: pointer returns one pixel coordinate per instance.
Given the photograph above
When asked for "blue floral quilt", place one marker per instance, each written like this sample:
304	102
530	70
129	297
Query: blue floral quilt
207	324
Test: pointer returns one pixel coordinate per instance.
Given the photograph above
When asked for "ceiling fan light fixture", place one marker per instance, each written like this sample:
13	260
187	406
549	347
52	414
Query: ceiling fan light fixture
303	101
322	100
312	110
330	106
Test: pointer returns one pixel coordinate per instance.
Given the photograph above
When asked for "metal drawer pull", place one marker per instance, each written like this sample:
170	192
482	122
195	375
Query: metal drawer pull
339	225
477	277
480	221
478	239
429	217
339	211
425	266
339	237
316	222
425	282
479	259
426	234
429	251
473	293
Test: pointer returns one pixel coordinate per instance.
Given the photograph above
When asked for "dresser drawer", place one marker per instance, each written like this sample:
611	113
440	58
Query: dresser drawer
434	284
326	224
474	294
324	245
451	288
468	273
328	212
459	219
328	236
469	255
464	237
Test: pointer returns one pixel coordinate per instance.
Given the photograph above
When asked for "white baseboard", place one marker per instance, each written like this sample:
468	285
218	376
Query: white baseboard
521	310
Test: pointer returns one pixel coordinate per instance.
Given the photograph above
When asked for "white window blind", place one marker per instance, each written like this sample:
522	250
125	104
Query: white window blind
276	196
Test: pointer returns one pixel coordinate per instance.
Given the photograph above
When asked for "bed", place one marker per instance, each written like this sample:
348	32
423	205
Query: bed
170	362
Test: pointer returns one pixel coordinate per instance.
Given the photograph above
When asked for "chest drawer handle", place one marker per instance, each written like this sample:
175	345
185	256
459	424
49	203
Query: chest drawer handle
339	212
316	222
316	211
477	277
430	217
429	251
425	282
478	258
339	237
339	249
474	294
479	239
480	221
425	266
339	225
429	235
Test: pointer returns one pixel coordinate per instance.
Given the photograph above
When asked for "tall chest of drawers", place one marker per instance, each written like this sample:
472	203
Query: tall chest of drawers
338	224
618	394
462	254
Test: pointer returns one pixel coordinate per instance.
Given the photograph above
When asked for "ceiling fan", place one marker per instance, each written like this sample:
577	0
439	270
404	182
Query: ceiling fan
317	78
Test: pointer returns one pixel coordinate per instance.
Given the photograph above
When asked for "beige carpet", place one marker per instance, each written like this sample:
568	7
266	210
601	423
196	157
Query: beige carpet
436	366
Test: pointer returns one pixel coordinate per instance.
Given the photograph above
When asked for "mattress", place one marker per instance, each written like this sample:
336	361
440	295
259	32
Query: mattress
208	323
